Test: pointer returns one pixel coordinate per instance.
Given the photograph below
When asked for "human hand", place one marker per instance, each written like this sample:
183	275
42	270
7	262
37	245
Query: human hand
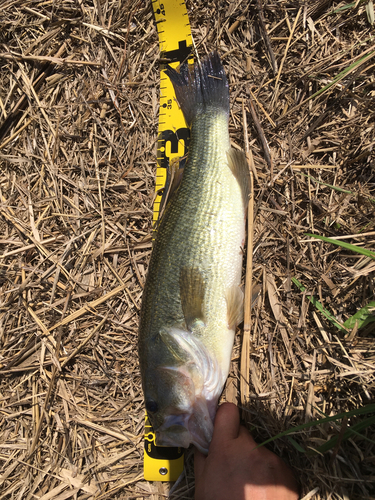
235	469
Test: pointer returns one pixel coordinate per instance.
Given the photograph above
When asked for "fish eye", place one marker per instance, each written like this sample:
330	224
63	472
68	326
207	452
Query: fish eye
151	406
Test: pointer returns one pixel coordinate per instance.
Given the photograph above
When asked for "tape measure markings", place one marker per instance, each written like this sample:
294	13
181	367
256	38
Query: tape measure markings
175	41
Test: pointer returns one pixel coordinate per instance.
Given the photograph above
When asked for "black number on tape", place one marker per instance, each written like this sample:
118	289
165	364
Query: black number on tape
161	10
181	54
170	141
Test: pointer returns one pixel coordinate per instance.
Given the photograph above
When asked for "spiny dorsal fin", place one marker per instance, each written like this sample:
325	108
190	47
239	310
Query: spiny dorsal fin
234	297
192	289
239	167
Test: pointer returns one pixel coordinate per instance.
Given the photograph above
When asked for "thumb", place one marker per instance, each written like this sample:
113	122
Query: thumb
226	426
199	462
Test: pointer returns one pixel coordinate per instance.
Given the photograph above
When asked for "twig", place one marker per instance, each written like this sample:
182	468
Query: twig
262	138
13	56
285	54
87	307
249	155
265	36
245	350
77	350
13	136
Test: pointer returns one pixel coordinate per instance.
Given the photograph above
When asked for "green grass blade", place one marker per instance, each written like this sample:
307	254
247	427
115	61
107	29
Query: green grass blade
336	188
343	244
362	317
364	410
320	307
344	7
364	438
343	73
357	428
296	445
347	6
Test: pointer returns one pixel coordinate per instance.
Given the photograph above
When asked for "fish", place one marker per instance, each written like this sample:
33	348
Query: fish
192	299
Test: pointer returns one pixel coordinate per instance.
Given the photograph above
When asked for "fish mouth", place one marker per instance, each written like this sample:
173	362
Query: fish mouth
197	385
173	436
193	427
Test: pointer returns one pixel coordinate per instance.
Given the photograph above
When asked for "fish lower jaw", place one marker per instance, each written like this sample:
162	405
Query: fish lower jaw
181	439
178	438
194	427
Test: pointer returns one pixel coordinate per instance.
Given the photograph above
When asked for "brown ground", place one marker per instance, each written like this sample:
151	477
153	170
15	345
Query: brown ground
78	129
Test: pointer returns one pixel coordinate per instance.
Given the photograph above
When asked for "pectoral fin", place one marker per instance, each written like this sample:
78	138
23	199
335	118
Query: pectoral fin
238	164
234	297
192	290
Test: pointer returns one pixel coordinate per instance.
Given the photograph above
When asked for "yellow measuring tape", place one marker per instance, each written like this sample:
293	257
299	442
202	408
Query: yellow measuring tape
160	463
175	47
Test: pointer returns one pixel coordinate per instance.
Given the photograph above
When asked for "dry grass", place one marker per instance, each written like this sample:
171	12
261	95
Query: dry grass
78	126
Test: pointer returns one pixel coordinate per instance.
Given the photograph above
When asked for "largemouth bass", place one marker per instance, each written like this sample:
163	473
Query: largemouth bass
192	299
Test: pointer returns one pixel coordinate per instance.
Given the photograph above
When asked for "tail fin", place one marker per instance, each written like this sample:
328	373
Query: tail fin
204	86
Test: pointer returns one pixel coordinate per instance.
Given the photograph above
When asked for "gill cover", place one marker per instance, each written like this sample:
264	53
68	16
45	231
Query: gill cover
199	377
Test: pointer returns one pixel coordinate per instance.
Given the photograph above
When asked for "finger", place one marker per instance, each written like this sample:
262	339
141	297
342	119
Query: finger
199	460
226	425
244	434
286	477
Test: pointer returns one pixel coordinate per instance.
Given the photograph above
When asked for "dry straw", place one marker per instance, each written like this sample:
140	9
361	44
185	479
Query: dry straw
78	127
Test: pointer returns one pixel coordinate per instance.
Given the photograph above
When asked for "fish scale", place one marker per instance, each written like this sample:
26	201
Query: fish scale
194	225
192	301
